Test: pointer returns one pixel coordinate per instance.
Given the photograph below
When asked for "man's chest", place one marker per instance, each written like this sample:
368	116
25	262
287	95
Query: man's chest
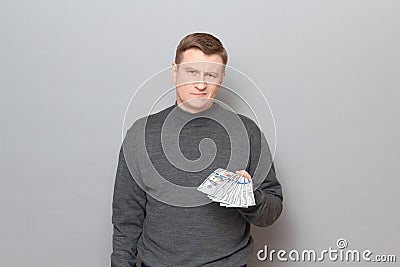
188	158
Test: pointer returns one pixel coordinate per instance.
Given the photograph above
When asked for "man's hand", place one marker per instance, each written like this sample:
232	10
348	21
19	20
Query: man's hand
244	173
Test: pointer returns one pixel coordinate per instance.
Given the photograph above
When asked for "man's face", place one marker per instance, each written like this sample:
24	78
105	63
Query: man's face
198	78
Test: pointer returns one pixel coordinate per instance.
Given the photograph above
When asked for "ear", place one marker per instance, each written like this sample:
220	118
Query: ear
174	70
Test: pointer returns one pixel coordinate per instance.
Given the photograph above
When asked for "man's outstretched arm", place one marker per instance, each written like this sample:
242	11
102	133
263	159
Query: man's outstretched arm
128	212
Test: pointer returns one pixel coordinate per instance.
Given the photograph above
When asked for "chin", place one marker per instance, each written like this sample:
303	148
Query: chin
198	103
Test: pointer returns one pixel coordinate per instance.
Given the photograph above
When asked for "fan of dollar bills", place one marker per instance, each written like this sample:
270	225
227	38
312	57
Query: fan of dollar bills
228	188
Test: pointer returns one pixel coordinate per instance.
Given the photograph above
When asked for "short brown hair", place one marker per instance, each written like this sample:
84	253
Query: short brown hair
205	42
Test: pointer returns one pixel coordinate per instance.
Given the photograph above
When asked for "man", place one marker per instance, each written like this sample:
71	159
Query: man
149	217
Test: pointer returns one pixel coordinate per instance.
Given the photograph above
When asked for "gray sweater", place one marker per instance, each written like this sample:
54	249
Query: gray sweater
167	234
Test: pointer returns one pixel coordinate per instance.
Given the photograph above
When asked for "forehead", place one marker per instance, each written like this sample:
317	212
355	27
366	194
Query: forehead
193	55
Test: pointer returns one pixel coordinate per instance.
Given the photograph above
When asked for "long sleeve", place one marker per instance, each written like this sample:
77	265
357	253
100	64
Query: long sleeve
268	195
128	212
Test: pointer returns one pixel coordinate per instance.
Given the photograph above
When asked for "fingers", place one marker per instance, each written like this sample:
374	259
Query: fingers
244	173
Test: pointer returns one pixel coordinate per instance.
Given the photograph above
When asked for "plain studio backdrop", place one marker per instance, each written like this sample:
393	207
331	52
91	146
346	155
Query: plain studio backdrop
329	69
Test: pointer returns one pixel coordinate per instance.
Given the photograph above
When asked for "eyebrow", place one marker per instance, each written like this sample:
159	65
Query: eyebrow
191	68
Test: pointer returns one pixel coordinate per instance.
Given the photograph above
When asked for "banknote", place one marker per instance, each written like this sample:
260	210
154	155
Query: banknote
228	188
213	183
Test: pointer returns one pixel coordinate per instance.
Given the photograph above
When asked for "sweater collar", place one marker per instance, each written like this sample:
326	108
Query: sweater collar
184	116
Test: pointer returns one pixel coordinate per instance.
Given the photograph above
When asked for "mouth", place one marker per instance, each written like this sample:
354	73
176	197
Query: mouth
199	94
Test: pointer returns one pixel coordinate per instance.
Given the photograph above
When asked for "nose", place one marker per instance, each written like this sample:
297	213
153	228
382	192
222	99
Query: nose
200	85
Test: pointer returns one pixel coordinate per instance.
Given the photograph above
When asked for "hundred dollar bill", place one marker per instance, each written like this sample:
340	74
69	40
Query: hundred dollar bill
228	188
213	183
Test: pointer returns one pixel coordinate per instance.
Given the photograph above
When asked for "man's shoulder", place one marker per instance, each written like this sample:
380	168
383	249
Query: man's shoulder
251	126
150	120
149	124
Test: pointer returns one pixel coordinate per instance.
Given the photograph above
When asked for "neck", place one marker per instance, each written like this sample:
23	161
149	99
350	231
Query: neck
194	110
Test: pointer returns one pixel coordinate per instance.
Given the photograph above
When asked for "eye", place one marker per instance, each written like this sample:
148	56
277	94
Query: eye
211	75
192	72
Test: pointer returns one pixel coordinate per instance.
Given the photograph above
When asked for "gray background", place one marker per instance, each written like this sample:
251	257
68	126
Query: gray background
330	70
